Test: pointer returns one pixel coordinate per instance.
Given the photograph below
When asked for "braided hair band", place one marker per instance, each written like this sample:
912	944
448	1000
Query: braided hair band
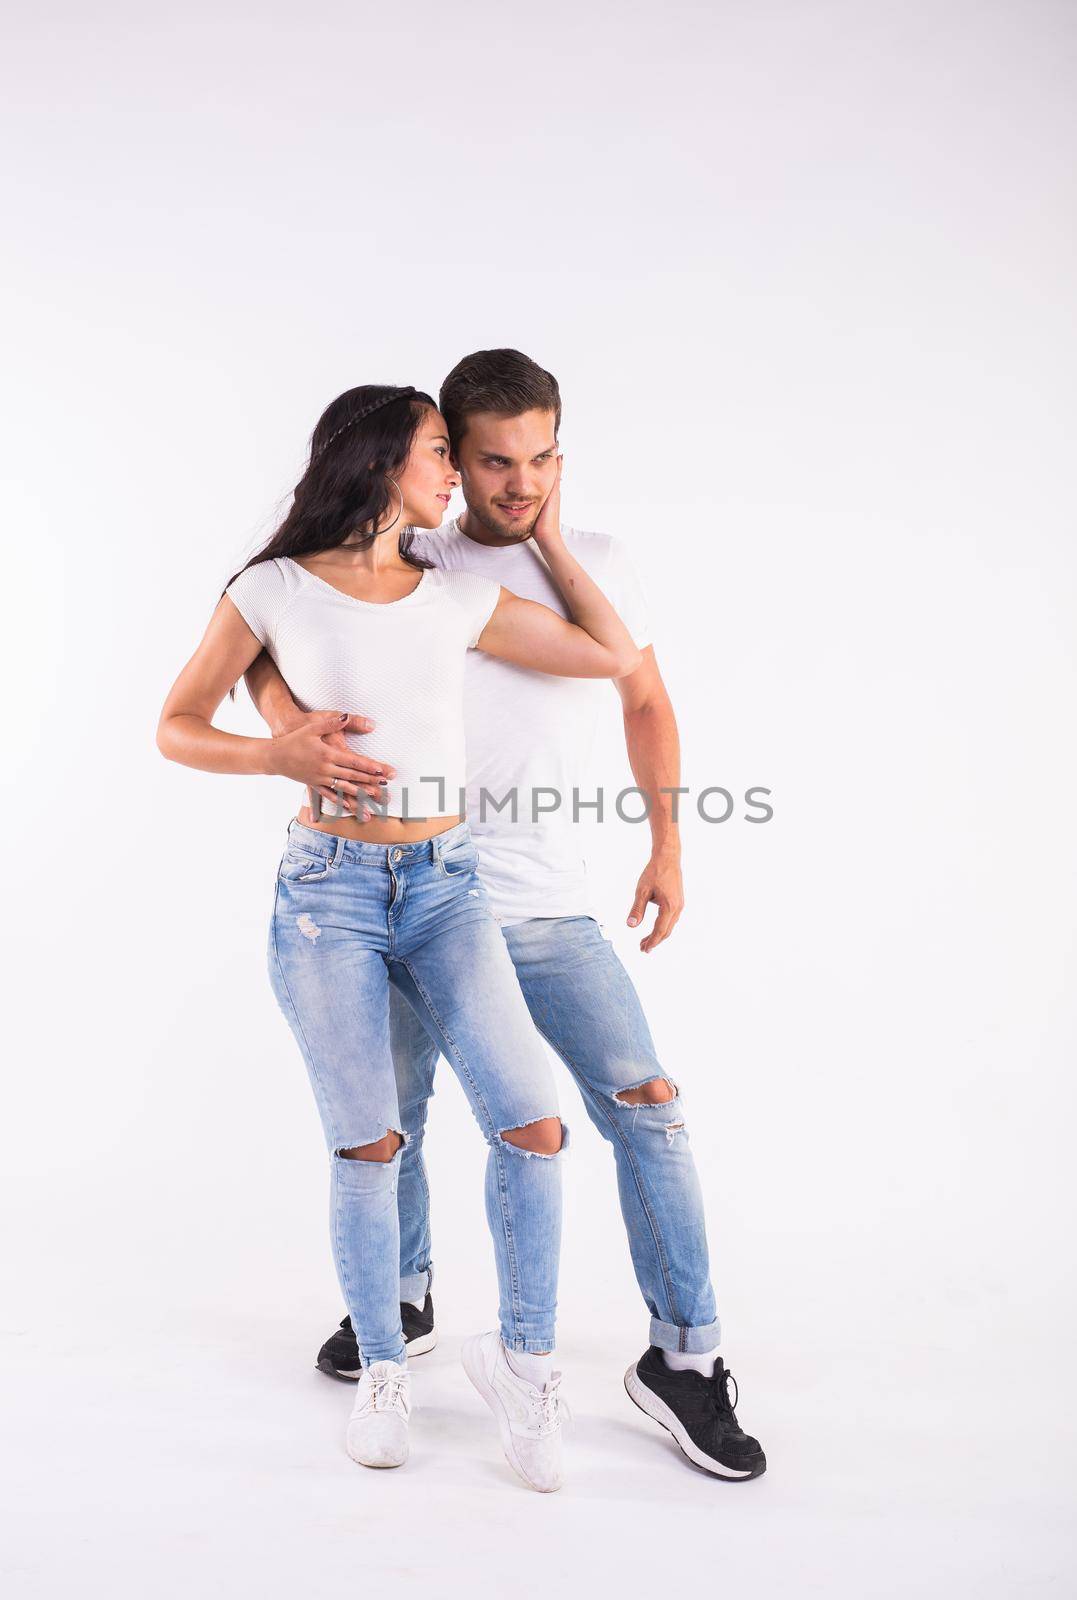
401	394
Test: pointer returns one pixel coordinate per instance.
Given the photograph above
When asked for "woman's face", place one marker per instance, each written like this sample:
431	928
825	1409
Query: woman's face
428	479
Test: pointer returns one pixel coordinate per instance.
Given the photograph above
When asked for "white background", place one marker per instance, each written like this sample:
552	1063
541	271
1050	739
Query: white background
805	274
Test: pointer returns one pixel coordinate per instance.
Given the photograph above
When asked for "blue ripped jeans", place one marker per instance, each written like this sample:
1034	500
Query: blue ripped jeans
584	1004
347	917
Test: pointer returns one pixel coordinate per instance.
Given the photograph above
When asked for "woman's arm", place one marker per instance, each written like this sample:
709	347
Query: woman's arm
186	733
595	644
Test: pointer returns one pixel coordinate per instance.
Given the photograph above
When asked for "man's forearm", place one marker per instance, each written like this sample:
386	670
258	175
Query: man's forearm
654	753
271	695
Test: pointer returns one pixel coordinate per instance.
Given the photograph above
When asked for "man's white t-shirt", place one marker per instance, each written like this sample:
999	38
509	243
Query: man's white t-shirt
528	733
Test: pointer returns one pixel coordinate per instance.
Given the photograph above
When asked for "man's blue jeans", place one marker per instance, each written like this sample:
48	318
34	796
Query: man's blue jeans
585	1006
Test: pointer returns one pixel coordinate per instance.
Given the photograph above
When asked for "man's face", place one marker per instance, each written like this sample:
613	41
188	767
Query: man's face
507	467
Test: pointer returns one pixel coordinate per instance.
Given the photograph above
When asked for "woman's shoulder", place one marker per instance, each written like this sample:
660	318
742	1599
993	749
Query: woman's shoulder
261	591
459	583
271	577
277	574
472	596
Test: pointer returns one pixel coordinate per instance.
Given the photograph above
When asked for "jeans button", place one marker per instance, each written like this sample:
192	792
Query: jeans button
394	855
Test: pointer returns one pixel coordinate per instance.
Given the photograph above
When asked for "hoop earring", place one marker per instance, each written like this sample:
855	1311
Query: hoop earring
379	531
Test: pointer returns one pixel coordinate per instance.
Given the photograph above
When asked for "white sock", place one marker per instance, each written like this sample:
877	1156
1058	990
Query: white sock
533	1369
684	1361
418	1304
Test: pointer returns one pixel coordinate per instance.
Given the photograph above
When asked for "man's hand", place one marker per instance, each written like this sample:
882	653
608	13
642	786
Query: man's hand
310	746
660	884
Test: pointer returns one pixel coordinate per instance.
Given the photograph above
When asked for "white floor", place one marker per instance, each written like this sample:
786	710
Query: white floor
198	1463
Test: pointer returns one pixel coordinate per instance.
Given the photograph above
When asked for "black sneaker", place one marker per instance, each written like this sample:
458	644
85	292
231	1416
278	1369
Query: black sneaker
339	1355
699	1414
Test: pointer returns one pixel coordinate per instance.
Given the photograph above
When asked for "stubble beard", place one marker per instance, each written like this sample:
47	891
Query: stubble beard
511	531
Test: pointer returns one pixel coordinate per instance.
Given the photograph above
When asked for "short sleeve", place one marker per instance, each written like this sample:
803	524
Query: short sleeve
258	594
477	596
624	591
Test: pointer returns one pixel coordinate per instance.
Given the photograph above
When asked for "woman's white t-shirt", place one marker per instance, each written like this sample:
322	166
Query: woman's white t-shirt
400	663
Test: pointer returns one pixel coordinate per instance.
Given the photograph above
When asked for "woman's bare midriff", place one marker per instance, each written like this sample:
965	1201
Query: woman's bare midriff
378	830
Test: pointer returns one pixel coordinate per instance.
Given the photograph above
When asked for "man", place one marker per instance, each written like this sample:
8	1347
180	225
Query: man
526	737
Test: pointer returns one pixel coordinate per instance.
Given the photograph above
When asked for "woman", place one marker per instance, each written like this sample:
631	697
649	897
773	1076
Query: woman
352	619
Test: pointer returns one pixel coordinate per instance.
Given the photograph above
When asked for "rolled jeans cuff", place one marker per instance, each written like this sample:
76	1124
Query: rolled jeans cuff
399	1354
689	1341
417	1285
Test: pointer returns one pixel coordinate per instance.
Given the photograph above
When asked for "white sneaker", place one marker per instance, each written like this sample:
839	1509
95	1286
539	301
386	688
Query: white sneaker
529	1419
378	1425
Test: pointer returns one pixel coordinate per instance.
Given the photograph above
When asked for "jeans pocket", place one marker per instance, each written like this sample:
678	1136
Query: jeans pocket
303	866
461	859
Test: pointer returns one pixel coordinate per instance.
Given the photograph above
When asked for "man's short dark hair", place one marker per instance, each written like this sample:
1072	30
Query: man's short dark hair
504	382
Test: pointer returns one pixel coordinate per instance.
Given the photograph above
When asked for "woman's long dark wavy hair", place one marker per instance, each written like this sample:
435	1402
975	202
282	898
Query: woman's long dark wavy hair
361	437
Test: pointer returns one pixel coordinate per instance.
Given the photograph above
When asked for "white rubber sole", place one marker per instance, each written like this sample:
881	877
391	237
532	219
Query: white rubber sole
379	1466
659	1412
471	1358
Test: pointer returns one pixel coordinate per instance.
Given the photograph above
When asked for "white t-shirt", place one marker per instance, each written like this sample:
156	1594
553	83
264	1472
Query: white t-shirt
401	663
528	731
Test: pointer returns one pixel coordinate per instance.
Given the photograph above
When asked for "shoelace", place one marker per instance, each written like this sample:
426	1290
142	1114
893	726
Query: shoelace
550	1406
385	1392
723	1406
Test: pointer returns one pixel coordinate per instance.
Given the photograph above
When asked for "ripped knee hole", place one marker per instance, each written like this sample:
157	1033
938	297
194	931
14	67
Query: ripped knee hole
543	1138
383	1149
655	1092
